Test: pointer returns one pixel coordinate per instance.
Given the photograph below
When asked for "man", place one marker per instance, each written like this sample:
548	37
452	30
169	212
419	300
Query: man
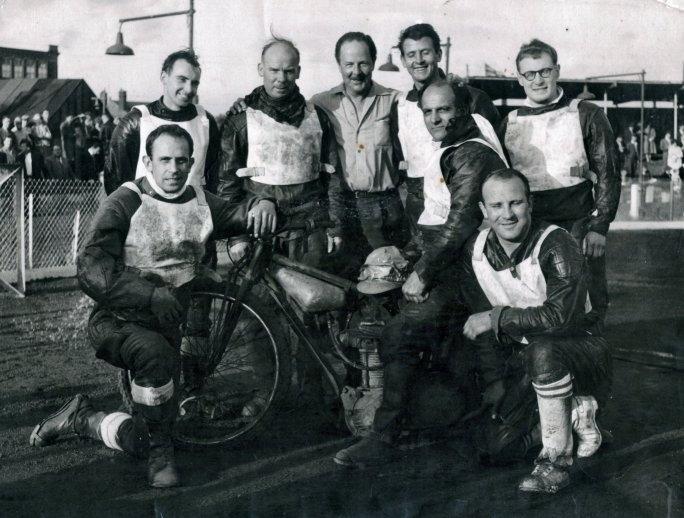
32	163
370	212
282	147
421	52
5	130
451	215
20	129
106	133
57	166
525	281
567	151
139	263
68	138
180	78
42	136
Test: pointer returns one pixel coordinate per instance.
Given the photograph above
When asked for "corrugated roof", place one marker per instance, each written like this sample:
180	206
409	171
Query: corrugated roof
20	96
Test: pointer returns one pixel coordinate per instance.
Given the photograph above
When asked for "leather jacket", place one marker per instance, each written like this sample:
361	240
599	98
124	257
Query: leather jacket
463	168
579	201
124	146
564	269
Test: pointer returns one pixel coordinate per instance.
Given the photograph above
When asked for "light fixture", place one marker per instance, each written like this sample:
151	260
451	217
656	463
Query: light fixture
586	95
119	49
389	66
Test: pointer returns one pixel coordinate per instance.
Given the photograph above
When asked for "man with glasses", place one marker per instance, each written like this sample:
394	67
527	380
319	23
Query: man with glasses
567	151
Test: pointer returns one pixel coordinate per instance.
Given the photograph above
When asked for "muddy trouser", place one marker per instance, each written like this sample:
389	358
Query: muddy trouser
151	357
371	220
414	206
418	328
598	284
546	359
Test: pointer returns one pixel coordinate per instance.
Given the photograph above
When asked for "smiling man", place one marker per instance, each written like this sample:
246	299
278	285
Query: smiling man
369	210
180	79
451	215
140	261
525	281
567	151
421	53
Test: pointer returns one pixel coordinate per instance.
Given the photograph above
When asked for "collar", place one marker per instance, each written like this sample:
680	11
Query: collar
159	109
531	104
498	257
158	190
375	90
413	94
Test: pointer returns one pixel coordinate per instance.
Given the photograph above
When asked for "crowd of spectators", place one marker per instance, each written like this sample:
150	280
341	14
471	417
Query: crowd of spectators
76	152
667	152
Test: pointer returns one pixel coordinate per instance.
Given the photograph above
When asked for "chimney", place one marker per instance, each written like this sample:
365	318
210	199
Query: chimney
122	100
53	49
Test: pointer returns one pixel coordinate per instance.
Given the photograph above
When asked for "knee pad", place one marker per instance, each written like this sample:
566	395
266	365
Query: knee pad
151	396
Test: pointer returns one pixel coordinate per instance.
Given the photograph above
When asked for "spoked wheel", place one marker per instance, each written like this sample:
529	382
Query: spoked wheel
236	369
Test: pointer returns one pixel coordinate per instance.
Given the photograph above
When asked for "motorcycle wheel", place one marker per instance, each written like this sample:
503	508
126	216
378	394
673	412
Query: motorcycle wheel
249	382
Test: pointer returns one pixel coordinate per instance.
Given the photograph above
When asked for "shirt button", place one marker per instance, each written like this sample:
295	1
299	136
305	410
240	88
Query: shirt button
360	148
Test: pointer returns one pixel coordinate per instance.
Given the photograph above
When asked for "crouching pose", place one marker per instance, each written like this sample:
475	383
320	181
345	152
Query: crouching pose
140	260
526	283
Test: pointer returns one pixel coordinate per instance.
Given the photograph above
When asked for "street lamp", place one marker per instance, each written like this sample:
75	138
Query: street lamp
389	66
642	75
119	49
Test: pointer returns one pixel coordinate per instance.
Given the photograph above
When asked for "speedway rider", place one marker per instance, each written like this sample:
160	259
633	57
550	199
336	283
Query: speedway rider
180	78
525	281
140	261
421	52
451	215
567	150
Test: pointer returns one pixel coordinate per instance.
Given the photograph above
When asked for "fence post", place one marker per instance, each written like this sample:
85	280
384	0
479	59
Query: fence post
30	231
21	241
77	225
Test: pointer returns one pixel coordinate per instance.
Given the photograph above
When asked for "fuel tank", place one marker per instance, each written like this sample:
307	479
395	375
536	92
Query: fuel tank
312	295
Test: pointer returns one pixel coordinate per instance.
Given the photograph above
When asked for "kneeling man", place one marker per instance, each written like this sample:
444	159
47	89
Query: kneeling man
526	283
140	261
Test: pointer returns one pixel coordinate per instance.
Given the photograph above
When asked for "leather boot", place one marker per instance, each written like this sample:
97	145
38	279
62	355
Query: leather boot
369	451
161	468
584	425
76	417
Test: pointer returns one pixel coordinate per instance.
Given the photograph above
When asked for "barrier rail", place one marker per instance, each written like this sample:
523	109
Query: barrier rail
43	223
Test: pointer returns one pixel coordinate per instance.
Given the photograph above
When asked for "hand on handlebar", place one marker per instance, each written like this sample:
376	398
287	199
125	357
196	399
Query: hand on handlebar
261	218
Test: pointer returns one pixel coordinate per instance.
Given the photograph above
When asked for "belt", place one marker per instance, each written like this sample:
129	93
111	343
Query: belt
370	194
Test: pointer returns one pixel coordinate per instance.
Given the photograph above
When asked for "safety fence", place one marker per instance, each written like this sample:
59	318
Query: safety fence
42	226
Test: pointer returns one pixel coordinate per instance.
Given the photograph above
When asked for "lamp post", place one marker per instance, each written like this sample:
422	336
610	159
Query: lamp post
119	49
389	66
642	75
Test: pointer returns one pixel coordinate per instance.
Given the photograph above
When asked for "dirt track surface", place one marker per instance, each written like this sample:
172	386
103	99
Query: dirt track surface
45	359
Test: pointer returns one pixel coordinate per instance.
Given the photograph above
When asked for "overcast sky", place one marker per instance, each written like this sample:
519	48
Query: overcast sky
592	37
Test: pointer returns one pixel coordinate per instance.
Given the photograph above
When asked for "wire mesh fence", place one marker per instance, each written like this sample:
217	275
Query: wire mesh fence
43	225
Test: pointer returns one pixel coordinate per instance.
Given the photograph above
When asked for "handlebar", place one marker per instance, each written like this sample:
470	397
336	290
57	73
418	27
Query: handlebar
308	225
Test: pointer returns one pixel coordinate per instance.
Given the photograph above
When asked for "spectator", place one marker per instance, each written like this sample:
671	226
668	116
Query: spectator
20	130
674	161
42	135
66	129
57	166
7	151
665	144
6	129
97	157
46	117
621	157
106	133
32	163
632	157
84	166
628	134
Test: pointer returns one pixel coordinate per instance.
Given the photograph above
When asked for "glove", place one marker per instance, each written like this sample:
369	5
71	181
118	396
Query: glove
165	307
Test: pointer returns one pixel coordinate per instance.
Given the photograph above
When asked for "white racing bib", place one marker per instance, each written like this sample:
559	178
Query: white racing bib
548	148
281	154
416	141
199	131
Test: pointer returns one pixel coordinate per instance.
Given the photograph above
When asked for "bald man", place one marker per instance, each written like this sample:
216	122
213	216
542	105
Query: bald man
281	147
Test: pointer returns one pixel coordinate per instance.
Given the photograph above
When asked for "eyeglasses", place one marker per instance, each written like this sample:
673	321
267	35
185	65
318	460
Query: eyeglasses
544	72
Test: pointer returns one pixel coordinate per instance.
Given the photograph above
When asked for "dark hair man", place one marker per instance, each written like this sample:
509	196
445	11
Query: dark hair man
57	166
421	53
525	281
180	78
369	210
140	262
450	217
566	149
31	160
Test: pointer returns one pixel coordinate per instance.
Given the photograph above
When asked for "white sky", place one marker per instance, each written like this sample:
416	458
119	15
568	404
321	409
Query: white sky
592	37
